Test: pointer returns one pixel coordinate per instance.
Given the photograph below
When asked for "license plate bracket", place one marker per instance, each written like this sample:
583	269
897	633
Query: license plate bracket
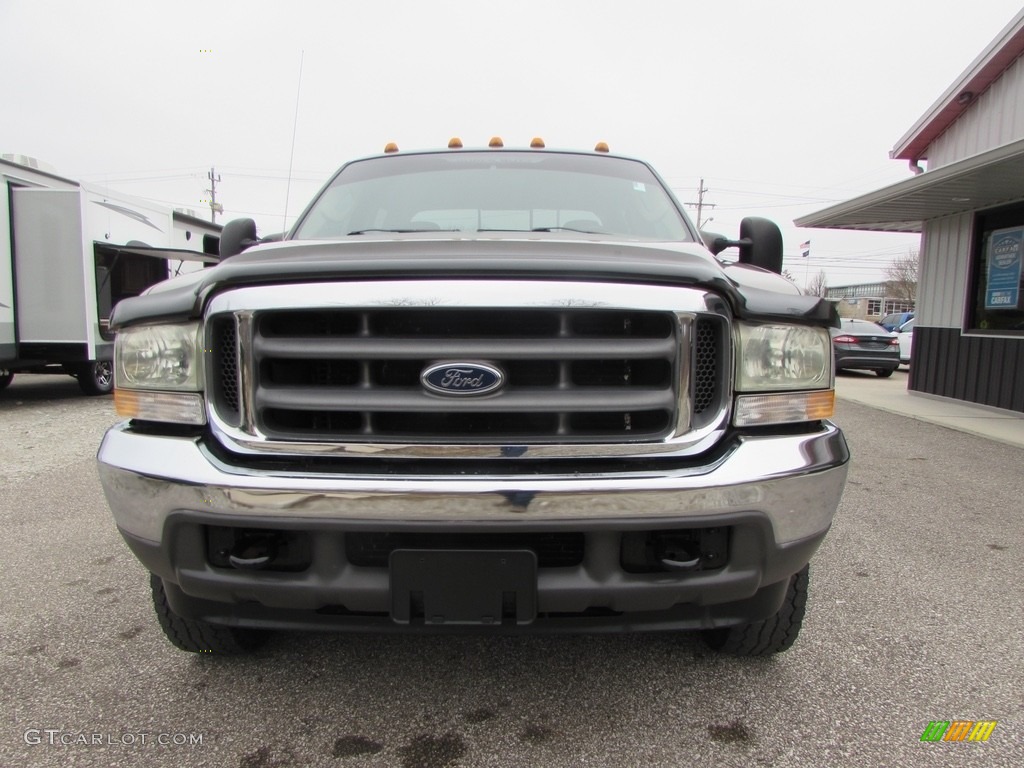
463	587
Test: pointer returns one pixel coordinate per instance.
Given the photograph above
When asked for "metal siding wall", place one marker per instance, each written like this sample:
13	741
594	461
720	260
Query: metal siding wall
949	351
1005	361
996	118
976	369
1011	389
944	270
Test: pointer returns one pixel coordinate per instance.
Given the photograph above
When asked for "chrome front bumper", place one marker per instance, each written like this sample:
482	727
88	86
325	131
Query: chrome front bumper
795	481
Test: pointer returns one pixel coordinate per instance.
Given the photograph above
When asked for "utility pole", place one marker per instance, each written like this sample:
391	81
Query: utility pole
701	205
215	207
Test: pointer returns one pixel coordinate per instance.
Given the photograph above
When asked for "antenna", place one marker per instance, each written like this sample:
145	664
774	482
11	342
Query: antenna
291	157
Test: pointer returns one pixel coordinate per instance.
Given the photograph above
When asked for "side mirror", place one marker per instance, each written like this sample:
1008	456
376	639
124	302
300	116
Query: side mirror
760	244
237	235
714	242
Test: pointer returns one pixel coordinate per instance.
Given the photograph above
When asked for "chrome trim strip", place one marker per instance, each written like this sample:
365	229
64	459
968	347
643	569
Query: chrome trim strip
699	443
246	407
474	294
684	411
796	480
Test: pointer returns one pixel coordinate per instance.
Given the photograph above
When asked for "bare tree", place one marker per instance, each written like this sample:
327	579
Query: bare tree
902	277
789	276
818	286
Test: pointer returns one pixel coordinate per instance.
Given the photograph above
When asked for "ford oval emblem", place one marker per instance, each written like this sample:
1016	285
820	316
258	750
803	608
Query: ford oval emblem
462	378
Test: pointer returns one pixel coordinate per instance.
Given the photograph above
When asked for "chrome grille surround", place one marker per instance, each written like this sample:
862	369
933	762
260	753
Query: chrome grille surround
689	393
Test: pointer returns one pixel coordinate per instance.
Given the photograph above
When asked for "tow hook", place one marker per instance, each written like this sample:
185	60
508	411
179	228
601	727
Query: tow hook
680	565
253	553
674	556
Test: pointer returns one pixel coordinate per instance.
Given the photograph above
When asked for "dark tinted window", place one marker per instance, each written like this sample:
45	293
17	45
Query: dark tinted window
997	276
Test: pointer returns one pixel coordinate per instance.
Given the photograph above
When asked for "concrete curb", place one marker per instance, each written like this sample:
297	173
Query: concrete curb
891	395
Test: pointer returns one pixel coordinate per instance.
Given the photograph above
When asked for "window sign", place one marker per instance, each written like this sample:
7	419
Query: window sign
1002	288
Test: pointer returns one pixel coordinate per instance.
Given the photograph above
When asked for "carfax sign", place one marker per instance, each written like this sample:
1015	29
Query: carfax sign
1002	290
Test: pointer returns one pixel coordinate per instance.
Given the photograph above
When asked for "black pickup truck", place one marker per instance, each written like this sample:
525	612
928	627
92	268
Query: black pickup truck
489	390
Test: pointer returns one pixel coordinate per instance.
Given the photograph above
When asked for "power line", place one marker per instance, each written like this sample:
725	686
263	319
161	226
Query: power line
137	179
283	177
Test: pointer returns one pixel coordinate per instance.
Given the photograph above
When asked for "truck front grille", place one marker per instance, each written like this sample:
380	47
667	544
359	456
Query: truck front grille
225	367
571	375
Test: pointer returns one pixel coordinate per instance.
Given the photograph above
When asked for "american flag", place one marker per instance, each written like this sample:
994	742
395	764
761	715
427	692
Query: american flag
805	248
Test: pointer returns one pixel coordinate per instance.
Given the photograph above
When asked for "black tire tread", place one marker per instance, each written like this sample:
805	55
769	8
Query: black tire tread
772	635
200	636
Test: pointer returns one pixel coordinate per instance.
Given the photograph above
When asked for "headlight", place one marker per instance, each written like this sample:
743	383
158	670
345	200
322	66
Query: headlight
158	373
774	357
164	357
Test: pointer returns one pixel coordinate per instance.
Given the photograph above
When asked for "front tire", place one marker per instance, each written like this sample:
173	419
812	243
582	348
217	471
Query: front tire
96	377
772	635
884	373
6	377
200	636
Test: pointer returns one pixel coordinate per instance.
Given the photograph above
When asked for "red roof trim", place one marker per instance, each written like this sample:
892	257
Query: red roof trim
976	80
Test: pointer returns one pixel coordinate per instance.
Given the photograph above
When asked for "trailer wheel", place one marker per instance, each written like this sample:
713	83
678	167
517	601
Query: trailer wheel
96	377
6	377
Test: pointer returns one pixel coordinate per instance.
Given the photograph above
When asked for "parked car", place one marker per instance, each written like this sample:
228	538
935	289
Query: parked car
895	320
905	334
863	344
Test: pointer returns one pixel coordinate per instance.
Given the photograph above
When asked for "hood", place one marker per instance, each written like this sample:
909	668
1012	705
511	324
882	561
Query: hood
751	292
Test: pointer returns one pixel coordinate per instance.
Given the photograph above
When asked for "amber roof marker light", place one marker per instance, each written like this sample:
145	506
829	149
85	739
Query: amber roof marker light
455	143
390	147
496	142
601	147
537	143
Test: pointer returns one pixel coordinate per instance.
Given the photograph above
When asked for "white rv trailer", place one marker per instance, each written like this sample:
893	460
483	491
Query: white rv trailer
71	252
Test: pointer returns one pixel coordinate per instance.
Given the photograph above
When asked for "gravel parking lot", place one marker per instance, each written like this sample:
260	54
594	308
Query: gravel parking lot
915	615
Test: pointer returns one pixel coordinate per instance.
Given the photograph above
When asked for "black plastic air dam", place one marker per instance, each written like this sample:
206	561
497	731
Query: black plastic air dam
731	595
764	603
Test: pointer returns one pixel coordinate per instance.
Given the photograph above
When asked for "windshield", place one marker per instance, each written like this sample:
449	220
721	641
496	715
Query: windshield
495	191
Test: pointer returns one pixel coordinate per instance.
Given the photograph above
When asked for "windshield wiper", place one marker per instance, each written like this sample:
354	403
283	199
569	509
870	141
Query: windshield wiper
397	231
565	229
535	229
542	229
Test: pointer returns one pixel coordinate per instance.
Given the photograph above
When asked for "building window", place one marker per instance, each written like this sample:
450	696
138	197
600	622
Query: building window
875	307
898	305
996	302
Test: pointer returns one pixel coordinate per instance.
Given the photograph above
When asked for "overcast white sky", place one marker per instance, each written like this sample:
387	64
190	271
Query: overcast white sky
782	107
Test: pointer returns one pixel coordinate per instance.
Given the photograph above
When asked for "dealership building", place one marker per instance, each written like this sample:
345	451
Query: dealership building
969	208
